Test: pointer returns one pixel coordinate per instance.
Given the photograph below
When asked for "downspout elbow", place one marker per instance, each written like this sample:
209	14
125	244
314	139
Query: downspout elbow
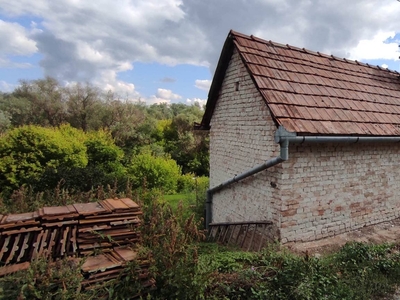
284	149
282	136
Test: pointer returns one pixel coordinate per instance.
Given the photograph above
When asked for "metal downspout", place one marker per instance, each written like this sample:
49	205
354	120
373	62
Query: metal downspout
284	155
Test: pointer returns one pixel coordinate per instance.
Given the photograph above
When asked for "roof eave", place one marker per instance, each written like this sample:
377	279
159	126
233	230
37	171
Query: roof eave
219	75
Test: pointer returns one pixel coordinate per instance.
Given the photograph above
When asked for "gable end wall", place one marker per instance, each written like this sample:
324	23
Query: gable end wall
241	137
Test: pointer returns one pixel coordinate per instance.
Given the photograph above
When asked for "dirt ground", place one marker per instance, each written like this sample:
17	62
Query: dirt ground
380	233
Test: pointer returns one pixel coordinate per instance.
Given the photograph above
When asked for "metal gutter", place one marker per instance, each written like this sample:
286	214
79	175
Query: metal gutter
283	135
284	138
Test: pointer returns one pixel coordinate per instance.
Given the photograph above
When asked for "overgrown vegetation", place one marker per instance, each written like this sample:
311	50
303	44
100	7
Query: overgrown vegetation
187	268
62	145
356	271
44	280
135	127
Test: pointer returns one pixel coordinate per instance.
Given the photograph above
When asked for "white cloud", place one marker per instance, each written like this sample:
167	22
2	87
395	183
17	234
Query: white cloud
385	66
7	63
376	48
167	94
155	100
203	84
14	41
191	101
163	96
95	40
108	82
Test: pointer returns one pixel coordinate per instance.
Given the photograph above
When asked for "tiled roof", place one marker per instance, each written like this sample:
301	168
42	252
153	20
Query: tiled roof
314	93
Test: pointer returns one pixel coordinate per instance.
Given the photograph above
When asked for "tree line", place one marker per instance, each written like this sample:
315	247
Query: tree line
83	137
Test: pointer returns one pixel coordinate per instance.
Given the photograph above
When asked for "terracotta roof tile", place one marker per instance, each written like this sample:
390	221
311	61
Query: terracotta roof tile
314	93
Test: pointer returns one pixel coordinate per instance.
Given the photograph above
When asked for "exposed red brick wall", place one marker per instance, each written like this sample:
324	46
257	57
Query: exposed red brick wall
338	188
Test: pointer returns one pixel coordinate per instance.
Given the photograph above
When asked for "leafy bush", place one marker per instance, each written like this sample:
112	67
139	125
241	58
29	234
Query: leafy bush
104	164
154	172
43	157
186	183
28	151
376	268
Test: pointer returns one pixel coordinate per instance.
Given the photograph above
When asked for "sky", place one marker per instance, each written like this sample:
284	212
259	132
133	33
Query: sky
167	50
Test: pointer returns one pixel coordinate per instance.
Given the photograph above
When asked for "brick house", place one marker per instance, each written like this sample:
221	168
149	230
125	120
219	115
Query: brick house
305	140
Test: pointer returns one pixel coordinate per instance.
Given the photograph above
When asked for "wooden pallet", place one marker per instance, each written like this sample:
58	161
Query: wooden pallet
249	236
104	233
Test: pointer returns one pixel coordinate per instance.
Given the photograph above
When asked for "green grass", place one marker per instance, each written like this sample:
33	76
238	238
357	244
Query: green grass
187	199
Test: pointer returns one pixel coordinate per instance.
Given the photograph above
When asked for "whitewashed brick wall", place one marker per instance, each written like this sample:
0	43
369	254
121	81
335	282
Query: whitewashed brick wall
242	138
322	190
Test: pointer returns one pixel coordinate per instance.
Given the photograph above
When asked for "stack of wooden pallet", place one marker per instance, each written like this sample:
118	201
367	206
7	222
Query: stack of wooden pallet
102	230
17	233
107	228
58	237
110	265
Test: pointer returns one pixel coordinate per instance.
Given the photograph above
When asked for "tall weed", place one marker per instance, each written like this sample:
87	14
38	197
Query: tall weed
44	279
172	240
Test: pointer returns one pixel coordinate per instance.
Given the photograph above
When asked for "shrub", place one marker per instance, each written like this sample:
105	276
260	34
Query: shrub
5	122
357	271
154	172
104	163
28	151
186	183
44	157
368	269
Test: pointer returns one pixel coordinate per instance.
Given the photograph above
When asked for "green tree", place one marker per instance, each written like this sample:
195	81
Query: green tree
82	102
123	119
188	147
104	160
104	167
45	98
5	121
160	111
16	110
